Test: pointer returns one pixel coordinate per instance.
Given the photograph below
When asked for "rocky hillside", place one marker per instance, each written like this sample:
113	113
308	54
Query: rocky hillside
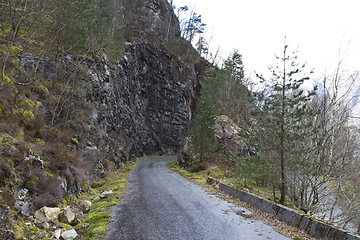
66	117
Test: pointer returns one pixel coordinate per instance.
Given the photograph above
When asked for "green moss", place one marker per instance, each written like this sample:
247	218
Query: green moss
20	136
19	232
11	49
50	174
96	217
8	80
99	216
6	139
33	230
80	226
19	228
41	88
74	141
66	227
28	114
101	230
27	109
3	111
223	118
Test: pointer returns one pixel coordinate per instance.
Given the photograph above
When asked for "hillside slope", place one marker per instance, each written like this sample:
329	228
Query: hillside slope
67	116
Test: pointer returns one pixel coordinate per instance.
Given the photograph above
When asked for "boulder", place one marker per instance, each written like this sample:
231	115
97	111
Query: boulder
47	214
57	233
78	213
107	194
22	194
85	205
233	139
230	131
22	203
67	215
69	235
24	208
46	225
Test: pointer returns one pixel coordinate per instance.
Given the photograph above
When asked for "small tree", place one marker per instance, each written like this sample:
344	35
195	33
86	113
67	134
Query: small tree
284	107
192	27
202	47
202	131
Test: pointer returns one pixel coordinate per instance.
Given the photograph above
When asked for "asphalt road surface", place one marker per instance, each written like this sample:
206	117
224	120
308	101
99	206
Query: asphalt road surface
161	204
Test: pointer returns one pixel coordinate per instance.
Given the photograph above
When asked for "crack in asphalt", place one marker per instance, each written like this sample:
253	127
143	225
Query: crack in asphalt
161	204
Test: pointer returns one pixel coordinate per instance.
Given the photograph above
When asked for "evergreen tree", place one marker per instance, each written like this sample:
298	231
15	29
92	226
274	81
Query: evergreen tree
234	66
202	131
231	95
284	107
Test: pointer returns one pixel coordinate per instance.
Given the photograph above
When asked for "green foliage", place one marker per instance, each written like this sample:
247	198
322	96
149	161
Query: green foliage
202	131
234	66
256	168
284	106
229	89
223	93
80	22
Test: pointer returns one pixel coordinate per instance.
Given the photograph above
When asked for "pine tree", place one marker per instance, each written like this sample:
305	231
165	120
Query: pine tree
284	107
202	132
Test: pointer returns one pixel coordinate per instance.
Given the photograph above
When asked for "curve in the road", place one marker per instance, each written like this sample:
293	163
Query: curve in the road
161	204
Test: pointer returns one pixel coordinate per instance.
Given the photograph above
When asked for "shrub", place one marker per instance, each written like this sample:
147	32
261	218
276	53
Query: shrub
7	197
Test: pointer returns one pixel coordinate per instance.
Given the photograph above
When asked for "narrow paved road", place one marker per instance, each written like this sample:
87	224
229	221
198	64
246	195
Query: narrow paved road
161	204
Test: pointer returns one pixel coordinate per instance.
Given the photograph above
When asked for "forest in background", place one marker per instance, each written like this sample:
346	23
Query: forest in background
304	143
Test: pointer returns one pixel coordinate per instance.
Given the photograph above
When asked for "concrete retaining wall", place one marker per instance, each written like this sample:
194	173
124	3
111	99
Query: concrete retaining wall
311	225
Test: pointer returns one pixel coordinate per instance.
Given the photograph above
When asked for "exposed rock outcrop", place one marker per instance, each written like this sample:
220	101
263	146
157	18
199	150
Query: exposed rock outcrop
154	18
141	104
145	104
232	138
47	214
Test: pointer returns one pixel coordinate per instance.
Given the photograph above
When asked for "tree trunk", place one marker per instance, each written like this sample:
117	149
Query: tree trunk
337	194
282	140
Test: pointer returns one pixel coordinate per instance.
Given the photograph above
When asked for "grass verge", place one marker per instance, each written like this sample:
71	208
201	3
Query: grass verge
95	223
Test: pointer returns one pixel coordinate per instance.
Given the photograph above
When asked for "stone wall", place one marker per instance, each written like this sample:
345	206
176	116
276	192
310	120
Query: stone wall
314	227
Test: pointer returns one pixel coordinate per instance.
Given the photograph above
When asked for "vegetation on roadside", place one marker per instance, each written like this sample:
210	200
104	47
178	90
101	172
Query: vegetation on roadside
282	136
219	174
99	217
94	224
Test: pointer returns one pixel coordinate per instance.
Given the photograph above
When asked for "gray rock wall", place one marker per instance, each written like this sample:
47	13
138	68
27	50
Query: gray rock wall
143	104
151	17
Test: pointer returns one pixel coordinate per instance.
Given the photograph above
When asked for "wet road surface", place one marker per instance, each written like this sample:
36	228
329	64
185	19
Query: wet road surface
161	204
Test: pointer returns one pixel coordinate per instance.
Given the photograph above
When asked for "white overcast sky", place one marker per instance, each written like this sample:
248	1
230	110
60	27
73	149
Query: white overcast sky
318	28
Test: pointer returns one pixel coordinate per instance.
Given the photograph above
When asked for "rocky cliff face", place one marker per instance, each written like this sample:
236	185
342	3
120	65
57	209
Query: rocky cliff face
143	103
151	17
